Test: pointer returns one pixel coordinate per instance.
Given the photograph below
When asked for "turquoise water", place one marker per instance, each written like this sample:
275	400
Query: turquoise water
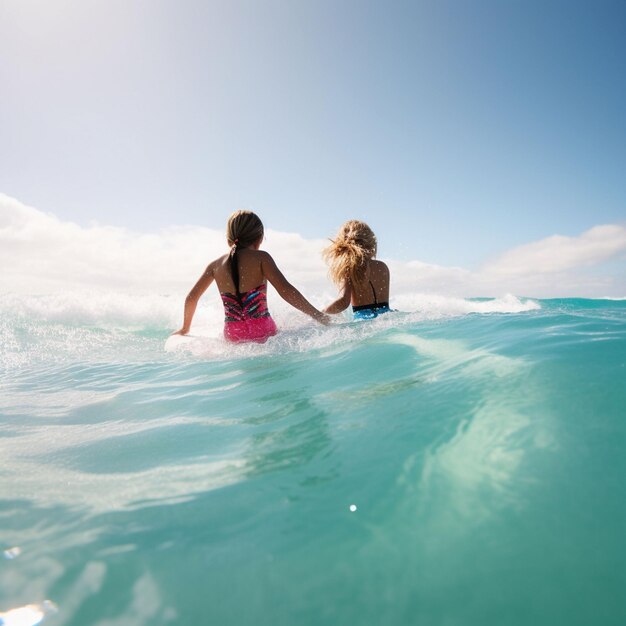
458	468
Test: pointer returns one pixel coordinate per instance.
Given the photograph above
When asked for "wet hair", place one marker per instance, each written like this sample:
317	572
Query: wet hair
244	229
350	252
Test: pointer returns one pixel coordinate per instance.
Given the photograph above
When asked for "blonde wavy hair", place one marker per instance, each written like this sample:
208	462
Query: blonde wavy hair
350	252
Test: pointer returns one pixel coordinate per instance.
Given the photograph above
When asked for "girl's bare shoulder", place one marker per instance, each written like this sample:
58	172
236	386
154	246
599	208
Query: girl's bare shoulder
261	254
216	266
221	260
379	266
257	256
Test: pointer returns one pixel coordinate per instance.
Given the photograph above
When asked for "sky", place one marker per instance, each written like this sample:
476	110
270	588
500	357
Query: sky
485	138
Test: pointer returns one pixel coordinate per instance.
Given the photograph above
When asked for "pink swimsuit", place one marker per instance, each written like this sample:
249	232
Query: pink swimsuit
247	317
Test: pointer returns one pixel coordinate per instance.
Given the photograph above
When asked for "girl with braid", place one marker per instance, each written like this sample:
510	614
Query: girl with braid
241	277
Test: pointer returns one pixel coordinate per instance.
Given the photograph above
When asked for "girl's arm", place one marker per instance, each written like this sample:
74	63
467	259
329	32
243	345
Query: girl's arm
288	292
191	301
342	302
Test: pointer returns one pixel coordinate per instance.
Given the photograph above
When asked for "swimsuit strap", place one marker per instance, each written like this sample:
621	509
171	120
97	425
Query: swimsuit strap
373	292
371	307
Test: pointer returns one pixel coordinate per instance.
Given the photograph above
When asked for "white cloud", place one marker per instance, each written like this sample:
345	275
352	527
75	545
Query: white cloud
559	254
41	254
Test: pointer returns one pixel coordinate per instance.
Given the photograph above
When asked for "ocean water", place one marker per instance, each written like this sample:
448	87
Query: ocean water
461	464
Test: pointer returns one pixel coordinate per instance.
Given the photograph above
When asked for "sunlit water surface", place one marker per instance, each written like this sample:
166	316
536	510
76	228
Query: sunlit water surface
463	468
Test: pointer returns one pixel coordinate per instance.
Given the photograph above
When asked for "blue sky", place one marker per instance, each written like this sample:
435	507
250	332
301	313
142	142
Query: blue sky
457	129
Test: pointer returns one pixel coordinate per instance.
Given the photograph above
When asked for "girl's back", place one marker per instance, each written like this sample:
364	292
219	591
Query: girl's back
251	274
375	286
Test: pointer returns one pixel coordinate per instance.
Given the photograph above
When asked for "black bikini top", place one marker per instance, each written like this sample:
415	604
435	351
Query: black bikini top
377	305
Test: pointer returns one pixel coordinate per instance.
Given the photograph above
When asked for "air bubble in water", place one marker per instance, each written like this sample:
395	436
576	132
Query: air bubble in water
12	553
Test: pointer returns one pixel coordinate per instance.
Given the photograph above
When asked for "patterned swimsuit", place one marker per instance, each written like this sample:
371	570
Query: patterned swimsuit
247	317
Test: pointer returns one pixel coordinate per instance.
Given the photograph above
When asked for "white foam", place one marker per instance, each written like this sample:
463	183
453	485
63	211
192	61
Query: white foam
434	305
95	308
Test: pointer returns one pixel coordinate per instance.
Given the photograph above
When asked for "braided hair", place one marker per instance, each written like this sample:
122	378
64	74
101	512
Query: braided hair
244	229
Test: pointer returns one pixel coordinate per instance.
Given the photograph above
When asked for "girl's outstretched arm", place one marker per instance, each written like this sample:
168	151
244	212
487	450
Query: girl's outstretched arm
191	301
288	292
342	302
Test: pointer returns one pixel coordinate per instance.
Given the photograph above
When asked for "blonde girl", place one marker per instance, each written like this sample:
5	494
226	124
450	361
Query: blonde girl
241	276
363	281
